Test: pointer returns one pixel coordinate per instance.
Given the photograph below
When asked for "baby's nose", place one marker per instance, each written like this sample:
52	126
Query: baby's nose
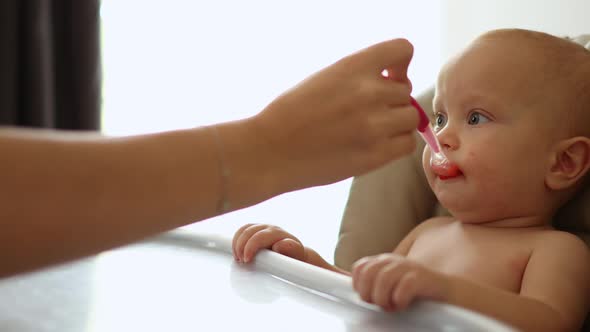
448	138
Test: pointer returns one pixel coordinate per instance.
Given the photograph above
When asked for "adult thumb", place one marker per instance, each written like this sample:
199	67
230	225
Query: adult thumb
396	56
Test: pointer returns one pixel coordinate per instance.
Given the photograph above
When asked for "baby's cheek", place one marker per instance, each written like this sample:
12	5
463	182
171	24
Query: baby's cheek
478	167
475	162
485	172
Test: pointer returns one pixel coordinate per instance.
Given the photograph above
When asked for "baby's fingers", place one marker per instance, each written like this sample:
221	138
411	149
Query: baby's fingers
385	284
290	247
234	242
242	237
263	239
357	268
364	277
406	290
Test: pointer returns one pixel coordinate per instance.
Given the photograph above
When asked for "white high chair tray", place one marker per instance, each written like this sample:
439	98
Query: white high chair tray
182	281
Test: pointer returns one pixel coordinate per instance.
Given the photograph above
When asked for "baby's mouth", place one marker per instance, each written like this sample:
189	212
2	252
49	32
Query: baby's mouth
443	167
443	177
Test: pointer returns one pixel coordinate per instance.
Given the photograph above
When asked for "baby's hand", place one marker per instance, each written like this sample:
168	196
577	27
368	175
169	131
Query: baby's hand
393	282
250	238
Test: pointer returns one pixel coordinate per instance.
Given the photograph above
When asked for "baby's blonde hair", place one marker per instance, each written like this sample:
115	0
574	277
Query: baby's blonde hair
565	75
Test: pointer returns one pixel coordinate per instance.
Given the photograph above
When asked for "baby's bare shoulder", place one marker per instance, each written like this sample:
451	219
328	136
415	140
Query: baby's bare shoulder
556	243
557	239
557	257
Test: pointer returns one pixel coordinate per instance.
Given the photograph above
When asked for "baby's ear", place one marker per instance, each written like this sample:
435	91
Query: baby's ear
570	162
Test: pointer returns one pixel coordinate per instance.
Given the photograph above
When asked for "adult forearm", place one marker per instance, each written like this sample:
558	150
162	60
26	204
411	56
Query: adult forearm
523	313
68	196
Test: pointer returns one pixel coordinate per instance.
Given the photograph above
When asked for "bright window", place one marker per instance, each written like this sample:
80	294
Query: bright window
178	64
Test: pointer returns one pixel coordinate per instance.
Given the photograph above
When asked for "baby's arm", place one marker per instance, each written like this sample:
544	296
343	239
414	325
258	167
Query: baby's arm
250	238
555	289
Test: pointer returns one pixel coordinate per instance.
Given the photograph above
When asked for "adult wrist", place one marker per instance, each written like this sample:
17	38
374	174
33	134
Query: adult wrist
246	169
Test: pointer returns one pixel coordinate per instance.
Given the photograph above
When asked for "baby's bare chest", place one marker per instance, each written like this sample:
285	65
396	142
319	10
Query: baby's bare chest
491	258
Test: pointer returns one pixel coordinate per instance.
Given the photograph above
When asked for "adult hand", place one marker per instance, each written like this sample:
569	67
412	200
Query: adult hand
342	121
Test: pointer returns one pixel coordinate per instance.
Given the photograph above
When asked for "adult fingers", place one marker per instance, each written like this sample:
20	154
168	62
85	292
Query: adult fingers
391	93
390	123
388	149
393	55
398	146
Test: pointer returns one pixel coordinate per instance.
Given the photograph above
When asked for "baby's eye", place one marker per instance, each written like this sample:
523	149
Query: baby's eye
440	120
477	118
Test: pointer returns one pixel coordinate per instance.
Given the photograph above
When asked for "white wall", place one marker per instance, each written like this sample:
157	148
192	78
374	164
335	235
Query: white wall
463	20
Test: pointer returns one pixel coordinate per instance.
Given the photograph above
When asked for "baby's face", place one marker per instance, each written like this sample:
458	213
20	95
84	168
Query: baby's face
490	125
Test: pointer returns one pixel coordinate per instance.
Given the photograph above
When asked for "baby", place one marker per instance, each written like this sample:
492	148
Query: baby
512	112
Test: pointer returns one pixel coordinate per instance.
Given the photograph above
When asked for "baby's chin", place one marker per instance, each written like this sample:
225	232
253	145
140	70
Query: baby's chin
474	215
466	213
470	218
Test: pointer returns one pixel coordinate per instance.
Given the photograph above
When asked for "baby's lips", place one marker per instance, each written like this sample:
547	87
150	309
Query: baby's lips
443	167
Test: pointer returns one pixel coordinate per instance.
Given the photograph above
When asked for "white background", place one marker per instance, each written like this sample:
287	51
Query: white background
463	20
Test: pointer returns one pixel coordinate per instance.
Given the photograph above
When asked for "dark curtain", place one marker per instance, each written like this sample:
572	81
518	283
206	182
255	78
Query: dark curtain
50	74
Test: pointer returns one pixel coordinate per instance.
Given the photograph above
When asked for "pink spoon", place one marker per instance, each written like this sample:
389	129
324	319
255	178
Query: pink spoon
438	161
